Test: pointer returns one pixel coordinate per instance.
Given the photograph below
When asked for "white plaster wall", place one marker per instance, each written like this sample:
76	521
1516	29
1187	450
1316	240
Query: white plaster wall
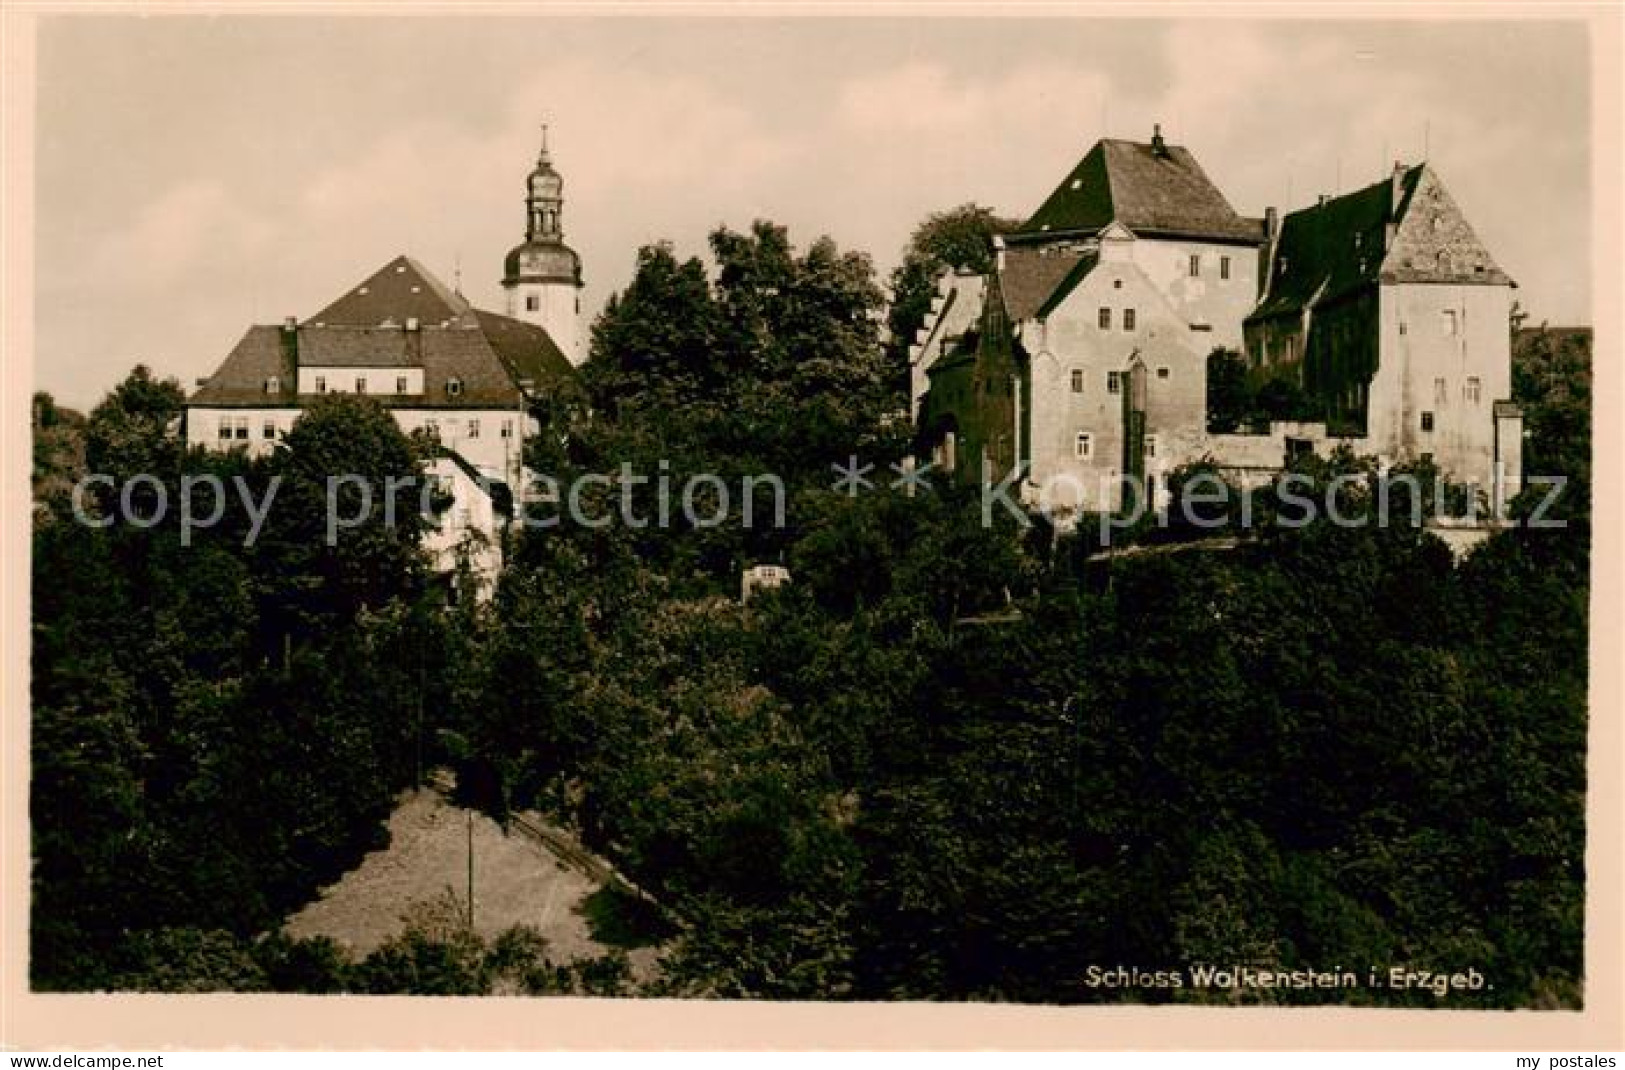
342	380
1223	303
203	428
1412	360
947	321
1071	339
469	529
559	314
485	446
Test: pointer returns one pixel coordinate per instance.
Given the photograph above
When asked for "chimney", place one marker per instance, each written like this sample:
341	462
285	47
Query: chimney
1266	255
1320	202
290	323
411	323
1158	146
998	253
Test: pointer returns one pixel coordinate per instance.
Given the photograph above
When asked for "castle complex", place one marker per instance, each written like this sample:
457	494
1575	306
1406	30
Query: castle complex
1080	362
1077	366
462	375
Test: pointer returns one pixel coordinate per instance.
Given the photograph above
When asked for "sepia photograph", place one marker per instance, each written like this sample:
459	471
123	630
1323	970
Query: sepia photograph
1075	511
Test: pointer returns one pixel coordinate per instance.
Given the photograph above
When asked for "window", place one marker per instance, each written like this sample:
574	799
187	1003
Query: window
361	384
269	430
454	387
507	428
273	385
400	384
532	302
1077	380
1128	319
1083	447
1401	326
242	427
473	429
1427	421
1105	319
1163	373
321	384
1114	382
1151	445
1439	392
1447	322
225	428
1471	390
1196	264
1224	267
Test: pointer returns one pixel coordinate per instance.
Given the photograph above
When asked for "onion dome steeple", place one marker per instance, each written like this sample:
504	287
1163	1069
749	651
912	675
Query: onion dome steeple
542	276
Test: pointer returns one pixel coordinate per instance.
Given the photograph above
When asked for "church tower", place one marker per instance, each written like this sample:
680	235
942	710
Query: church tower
542	277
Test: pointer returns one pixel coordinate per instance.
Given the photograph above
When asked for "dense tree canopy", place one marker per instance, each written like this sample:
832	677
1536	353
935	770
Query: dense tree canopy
947	761
956	239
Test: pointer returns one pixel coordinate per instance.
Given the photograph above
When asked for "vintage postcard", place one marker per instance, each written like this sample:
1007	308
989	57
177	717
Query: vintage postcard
936	527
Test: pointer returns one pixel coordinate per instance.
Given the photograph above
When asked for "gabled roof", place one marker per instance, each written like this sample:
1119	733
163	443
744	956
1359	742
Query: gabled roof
527	351
1031	277
399	290
1153	189
488	355
1331	249
1405	228
261	354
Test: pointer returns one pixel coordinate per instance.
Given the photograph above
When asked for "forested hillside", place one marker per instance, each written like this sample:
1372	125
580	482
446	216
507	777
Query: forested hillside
947	761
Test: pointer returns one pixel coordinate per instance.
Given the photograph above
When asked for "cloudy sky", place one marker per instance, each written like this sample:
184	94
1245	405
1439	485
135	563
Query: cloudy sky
196	175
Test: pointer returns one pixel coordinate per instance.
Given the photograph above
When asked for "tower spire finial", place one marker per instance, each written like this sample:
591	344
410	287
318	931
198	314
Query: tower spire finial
544	157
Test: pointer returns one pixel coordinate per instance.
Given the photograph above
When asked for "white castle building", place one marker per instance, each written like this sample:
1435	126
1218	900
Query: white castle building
466	376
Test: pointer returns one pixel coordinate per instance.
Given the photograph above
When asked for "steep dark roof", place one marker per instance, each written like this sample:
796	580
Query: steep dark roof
399	290
485	353
1337	245
1031	277
357	347
1151	191
1404	229
261	354
527	350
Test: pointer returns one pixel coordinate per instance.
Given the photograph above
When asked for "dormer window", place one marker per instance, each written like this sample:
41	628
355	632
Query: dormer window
454	387
273	385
